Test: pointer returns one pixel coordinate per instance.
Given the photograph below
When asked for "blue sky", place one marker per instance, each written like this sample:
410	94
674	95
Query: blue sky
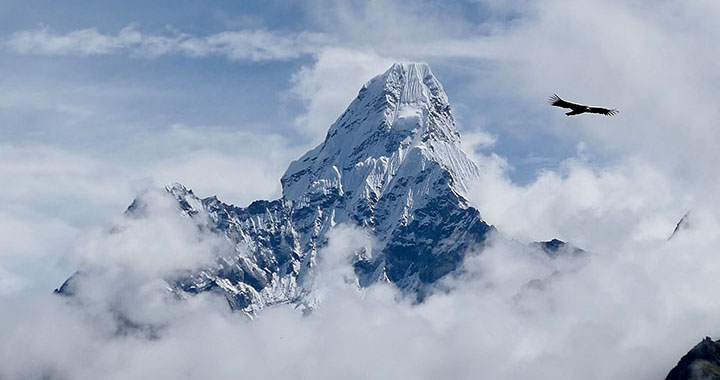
99	100
121	93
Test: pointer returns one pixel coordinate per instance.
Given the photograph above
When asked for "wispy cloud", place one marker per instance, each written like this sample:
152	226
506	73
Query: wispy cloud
252	45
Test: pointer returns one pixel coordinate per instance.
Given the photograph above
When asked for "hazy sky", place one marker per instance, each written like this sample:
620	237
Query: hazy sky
100	100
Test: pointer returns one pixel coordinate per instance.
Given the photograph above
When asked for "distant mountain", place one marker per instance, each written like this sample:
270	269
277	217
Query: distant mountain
701	363
391	164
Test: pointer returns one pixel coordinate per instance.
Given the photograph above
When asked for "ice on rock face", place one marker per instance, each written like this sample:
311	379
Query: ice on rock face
391	164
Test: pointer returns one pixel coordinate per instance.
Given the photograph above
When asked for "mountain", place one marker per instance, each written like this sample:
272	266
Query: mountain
391	164
701	363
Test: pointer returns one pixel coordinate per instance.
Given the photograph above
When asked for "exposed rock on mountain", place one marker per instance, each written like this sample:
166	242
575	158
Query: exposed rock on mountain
701	363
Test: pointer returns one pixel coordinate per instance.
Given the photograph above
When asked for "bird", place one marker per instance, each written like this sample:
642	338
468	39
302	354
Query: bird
577	109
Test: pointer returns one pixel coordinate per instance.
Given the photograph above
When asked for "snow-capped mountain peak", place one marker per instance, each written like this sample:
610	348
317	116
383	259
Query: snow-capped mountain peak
400	121
391	165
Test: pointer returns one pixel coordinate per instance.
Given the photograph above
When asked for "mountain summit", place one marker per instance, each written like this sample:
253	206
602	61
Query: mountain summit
391	164
398	119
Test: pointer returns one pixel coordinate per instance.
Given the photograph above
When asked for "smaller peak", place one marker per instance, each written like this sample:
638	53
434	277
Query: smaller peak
139	205
178	190
188	201
176	187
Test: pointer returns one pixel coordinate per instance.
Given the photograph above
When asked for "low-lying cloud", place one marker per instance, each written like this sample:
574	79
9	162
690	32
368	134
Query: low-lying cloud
512	313
600	209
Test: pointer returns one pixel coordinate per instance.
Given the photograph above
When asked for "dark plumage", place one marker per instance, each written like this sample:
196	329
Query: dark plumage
577	109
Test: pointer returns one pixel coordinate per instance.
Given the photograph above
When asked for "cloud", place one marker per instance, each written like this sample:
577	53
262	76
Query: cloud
596	208
623	314
31	168
390	27
22	231
53	194
252	163
50	195
244	45
328	85
477	140
9	282
169	242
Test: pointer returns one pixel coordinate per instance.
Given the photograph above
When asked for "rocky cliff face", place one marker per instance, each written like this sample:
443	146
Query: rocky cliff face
701	363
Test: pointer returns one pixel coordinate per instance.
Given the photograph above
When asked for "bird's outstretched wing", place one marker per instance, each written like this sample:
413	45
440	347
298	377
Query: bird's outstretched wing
557	102
580	108
603	111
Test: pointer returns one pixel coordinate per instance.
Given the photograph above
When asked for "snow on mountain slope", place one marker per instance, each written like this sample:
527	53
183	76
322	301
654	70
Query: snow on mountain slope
391	164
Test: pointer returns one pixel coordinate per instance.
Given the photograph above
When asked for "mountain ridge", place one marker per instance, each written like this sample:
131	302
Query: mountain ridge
391	164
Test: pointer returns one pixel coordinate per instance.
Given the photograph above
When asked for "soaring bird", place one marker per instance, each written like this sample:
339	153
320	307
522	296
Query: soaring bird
577	109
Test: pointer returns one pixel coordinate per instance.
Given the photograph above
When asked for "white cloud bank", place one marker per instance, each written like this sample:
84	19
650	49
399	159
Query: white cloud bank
628	314
600	209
